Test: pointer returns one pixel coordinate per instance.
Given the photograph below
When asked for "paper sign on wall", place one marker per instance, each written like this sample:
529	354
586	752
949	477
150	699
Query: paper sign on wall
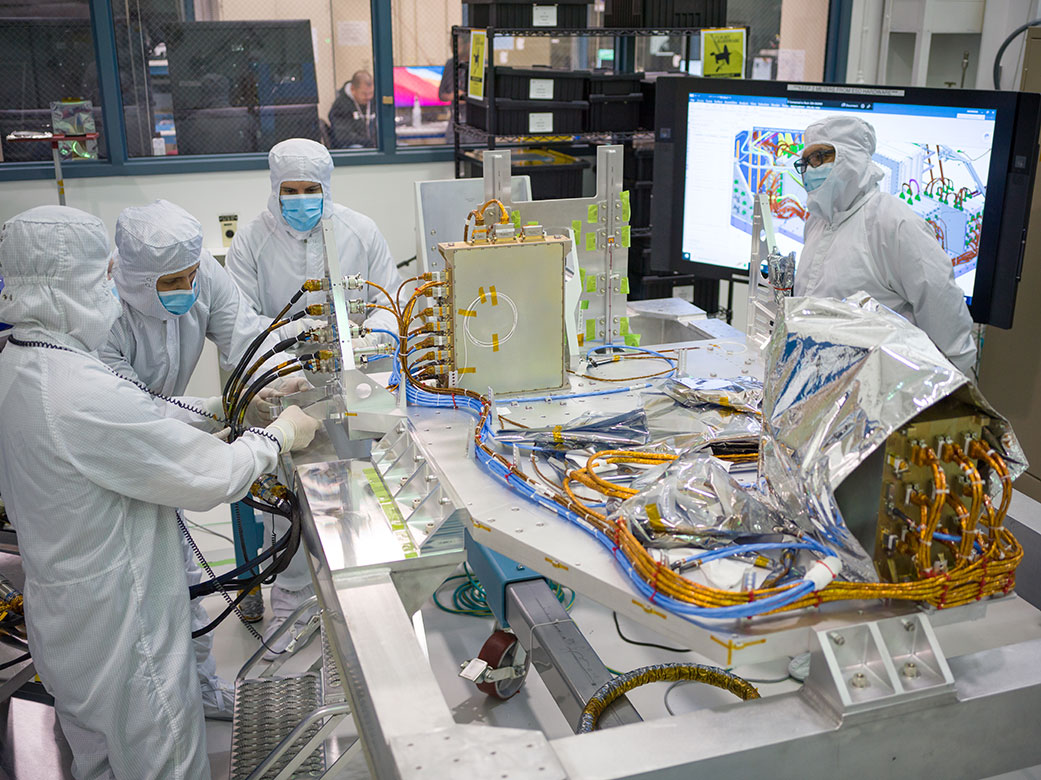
350	33
478	42
723	53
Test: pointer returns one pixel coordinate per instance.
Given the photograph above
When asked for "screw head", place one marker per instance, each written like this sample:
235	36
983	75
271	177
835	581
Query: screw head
859	680
837	638
910	670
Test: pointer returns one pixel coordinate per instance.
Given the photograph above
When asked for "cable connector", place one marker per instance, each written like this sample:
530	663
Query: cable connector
353	282
319	309
267	488
437	355
356	306
326	335
434	276
322	362
821	573
316	285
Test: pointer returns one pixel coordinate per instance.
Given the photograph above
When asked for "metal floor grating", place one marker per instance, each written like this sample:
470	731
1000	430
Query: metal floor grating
266	710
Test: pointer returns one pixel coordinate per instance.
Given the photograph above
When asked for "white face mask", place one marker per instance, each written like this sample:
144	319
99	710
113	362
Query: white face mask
813	178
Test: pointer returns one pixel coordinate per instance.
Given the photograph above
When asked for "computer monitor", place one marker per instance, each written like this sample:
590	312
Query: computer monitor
417	82
963	160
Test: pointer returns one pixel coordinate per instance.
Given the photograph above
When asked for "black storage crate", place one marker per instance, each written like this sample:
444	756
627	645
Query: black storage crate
606	83
529	117
571	14
639	203
553	174
614	112
638	163
540	84
665	13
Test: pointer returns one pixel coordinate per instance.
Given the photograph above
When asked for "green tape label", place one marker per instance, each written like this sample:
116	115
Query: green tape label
515	219
632	339
582	277
590	283
590	330
626	211
576	226
392	513
593	214
623	287
584	303
627	236
590	242
623	326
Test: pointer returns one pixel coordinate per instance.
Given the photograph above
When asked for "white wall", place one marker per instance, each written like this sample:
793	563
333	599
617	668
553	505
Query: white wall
383	192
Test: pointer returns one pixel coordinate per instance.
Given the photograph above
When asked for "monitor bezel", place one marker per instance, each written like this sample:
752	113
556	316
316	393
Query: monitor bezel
671	130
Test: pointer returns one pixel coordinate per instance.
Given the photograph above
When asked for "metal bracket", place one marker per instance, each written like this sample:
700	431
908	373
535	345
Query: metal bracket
875	665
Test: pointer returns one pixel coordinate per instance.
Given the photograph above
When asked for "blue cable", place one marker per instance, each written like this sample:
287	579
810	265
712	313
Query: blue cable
389	333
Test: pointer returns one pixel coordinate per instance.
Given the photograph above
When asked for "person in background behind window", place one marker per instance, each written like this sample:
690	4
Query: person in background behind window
351	118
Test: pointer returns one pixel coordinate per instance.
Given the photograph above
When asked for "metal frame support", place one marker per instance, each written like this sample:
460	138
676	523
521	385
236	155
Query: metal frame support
496	573
567	663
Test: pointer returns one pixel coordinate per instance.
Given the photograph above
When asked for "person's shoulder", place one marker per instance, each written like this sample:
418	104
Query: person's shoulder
890	209
355	221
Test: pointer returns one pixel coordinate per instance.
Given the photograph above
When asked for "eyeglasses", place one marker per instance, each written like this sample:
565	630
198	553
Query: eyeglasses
814	160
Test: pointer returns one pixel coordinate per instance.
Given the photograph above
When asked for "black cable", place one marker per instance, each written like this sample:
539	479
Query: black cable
624	638
238	412
244	361
15	661
403	263
1004	45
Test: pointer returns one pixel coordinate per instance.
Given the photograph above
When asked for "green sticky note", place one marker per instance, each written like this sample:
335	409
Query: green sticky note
627	236
632	339
515	218
626	211
583	304
623	326
623	287
590	330
590	242
594	214
590	283
576	226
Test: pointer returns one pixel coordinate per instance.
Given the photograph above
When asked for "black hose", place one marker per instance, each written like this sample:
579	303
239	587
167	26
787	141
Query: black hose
247	357
1004	45
238	412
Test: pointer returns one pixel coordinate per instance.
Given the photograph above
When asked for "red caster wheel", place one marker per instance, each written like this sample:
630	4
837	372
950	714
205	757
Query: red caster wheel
507	665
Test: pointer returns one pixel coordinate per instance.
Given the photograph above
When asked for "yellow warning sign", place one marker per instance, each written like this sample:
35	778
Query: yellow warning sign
478	42
723	53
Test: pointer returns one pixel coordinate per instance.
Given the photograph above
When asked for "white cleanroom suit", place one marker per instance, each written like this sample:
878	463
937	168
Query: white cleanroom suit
90	472
269	260
859	238
161	350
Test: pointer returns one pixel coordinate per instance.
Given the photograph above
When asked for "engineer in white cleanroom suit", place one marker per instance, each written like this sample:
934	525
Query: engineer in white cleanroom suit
90	473
158	339
860	238
272	256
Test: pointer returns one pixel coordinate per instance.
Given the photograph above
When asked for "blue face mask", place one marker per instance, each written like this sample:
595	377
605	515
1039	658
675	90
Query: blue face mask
177	302
302	212
812	178
115	292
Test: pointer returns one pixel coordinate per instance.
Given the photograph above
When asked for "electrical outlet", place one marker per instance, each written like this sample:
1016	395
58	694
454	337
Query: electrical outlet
229	224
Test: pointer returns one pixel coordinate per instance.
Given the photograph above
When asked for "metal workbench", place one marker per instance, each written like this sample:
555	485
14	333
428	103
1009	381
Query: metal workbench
379	546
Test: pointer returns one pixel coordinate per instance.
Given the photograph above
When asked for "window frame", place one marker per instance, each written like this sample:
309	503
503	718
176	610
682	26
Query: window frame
119	163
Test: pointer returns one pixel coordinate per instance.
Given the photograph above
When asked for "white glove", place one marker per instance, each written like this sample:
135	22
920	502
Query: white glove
297	327
213	405
287	385
222	434
365	342
260	411
295	428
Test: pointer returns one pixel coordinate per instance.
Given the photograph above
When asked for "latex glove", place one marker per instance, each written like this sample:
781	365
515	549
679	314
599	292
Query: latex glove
213	405
260	411
365	342
295	428
223	434
288	385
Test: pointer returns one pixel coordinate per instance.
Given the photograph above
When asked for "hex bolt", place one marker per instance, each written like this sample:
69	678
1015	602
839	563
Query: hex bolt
837	638
859	680
908	625
910	670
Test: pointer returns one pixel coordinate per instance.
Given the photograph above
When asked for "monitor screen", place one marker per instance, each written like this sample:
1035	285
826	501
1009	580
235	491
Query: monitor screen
934	158
962	160
423	83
